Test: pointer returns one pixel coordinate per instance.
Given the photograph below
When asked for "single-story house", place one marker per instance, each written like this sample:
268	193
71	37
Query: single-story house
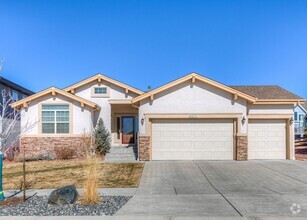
191	118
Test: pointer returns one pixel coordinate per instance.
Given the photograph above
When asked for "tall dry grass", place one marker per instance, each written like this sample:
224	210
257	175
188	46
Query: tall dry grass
91	171
90	193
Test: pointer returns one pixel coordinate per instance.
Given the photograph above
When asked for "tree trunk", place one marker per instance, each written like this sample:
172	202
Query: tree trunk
1	190
24	175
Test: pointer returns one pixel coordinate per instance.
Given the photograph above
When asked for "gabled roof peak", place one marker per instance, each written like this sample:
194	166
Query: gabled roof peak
193	77
100	78
54	91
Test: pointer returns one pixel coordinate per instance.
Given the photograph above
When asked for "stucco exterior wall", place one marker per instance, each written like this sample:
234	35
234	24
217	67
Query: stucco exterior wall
196	98
270	109
116	92
81	117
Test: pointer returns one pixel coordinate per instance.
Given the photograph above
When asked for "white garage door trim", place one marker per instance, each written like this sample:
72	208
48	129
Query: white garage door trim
267	139
198	139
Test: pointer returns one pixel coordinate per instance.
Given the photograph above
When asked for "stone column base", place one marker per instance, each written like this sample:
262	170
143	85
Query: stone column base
144	148
242	146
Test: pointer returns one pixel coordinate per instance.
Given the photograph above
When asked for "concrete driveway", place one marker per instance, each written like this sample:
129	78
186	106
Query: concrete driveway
221	188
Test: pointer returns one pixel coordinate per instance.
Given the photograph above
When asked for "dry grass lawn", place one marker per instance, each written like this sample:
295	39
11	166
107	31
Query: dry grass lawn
54	174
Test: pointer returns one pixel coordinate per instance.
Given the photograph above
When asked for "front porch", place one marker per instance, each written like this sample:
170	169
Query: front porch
124	124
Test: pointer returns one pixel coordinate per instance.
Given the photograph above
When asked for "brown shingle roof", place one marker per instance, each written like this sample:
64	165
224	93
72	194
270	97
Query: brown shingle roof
266	92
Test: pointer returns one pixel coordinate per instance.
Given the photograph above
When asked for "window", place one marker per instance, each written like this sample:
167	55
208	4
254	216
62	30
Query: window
55	119
100	90
301	118
295	116
15	95
24	96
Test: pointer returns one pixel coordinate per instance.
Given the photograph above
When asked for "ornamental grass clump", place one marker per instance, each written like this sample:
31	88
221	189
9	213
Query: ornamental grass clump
91	171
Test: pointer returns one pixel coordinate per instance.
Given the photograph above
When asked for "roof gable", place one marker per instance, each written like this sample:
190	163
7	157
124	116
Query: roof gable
54	91
193	77
100	78
301	107
304	105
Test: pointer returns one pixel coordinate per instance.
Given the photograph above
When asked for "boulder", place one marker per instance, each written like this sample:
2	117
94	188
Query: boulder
46	155
63	196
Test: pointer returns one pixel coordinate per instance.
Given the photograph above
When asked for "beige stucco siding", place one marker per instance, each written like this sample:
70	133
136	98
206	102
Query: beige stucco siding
115	92
192	98
80	117
270	109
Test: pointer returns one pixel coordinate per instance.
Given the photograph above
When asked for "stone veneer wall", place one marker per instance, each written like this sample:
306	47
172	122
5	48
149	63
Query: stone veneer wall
242	147
37	145
144	148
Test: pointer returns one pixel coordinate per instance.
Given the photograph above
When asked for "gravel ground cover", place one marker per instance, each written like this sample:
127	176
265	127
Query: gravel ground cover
38	206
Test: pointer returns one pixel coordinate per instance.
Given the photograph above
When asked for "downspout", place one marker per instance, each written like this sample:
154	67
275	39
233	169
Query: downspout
138	134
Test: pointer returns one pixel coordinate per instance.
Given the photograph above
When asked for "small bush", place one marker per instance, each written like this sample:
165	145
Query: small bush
64	153
28	157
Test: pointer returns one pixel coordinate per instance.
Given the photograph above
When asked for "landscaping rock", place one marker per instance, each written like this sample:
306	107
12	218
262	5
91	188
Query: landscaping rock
38	206
63	196
46	155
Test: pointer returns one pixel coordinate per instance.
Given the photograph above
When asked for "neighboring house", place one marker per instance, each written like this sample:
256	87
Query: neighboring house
17	92
191	118
300	119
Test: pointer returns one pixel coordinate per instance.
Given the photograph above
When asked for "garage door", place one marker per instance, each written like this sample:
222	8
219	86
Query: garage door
192	139
267	139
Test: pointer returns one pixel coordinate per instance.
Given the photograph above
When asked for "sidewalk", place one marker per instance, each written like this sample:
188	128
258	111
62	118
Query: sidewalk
142	218
102	191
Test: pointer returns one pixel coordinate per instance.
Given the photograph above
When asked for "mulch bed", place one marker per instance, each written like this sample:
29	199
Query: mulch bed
10	202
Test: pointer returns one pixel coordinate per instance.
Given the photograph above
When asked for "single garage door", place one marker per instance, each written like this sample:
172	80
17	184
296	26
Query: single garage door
192	139
267	139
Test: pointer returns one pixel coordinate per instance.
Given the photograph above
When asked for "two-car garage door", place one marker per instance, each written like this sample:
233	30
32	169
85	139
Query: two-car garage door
203	139
192	139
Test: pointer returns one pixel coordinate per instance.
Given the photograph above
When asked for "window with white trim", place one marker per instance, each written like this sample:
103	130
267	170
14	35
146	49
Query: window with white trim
100	90
15	95
55	119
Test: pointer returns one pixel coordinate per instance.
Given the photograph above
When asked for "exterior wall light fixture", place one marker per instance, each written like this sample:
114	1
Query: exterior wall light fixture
142	120
243	120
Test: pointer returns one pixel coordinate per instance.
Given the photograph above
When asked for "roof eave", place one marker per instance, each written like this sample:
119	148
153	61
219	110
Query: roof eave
278	101
54	91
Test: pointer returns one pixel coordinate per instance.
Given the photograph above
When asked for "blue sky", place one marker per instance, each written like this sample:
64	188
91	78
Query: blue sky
57	43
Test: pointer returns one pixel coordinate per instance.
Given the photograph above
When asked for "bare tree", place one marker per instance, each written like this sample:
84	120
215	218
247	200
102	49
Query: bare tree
11	129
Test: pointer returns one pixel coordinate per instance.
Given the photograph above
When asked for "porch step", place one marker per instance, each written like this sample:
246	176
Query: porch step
122	154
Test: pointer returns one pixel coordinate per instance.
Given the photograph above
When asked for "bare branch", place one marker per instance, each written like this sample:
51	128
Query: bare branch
11	129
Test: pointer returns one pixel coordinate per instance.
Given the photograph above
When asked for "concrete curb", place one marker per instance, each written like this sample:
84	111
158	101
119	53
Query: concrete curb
141	218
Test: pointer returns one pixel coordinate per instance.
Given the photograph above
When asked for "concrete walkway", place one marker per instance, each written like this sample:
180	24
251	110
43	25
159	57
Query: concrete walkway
221	188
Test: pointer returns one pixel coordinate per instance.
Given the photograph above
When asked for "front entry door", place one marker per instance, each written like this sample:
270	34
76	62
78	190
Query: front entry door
127	129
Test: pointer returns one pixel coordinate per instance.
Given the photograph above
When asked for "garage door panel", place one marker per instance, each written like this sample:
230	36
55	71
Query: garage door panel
267	139
192	139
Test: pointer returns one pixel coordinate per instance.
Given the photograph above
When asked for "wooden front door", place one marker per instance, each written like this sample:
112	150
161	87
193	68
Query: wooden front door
128	130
